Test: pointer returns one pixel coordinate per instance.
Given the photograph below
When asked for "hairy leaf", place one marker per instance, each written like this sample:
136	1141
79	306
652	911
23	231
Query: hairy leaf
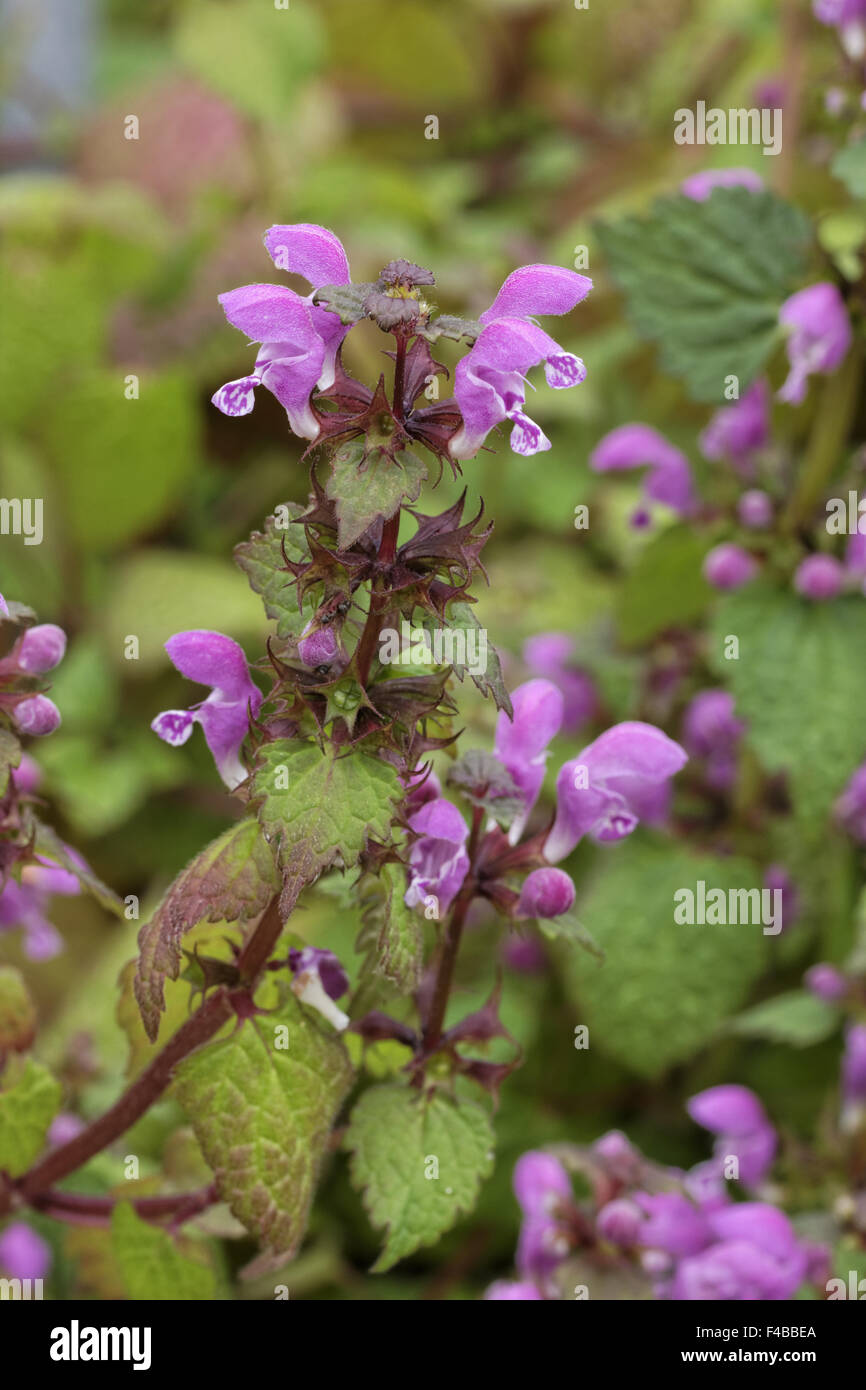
419	1161
664	988
398	945
262	1104
369	483
490	681
316	808
261	559
706	280
234	878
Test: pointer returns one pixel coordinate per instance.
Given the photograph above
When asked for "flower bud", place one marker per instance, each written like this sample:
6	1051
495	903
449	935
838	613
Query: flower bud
819	577
40	648
319	648
24	1254
755	509
729	566
826	982
620	1222
37	715
545	893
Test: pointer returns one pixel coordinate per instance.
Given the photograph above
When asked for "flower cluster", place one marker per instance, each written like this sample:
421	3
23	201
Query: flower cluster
680	1232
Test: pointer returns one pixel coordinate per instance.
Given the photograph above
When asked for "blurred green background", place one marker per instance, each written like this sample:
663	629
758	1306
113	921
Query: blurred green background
113	253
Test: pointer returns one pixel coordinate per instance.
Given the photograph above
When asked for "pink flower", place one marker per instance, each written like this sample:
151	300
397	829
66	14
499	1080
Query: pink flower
819	577
669	479
698	187
729	566
607	789
521	742
299	340
818	339
738	431
209	658
438	862
490	381
545	893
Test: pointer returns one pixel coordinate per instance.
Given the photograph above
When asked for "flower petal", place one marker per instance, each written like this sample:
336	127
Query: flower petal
303	248
538	289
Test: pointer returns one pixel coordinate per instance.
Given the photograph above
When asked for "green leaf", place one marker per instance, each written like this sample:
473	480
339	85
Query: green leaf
151	1265
486	783
29	1100
315	807
568	928
798	684
797	1018
398	947
461	617
369	483
705	281
262	1104
664	989
234	878
261	559
17	1012
849	165
394	1135
665	588
450	326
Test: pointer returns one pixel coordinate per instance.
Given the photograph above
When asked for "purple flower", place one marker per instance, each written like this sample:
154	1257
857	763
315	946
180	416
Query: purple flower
540	1183
489	382
619	1157
64	1127
819	336
209	658
543	1189
850	808
672	1223
549	654
819	577
826	982
319	979
737	431
855	552
637	446
755	509
733	1270
711	732
521	742
25	905
698	187
854	1065
317	648
299	340
849	17
729	566
27	775
512	1290
736	1115
438	862
24	1254
37	715
607	789
545	893
39	649
620	1222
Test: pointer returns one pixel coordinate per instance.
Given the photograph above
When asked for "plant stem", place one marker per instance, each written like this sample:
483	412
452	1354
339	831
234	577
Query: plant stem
451	946
82	1210
379	598
830	429
199	1029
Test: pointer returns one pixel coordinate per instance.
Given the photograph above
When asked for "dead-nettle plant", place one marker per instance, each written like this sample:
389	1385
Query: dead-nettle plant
328	753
